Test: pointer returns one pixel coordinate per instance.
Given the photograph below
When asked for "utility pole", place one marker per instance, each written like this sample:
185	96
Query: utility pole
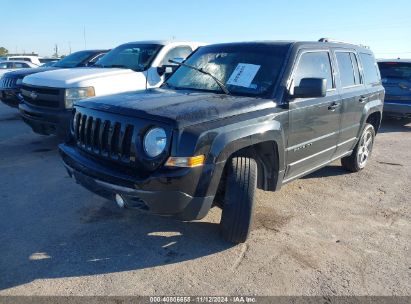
56	51
84	35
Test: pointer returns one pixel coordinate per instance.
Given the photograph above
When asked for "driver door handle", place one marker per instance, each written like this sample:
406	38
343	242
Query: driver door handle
362	99
333	106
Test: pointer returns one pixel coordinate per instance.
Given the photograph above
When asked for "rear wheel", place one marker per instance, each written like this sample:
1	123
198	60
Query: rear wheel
362	151
241	182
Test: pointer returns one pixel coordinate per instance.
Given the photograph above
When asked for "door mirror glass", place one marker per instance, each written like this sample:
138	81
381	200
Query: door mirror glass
310	88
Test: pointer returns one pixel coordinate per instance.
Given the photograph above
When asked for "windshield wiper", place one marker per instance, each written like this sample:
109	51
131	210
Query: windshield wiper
218	81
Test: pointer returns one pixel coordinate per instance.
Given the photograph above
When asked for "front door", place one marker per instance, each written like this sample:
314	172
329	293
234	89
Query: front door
314	122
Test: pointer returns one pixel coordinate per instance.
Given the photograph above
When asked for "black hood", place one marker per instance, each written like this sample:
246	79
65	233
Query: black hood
181	108
21	73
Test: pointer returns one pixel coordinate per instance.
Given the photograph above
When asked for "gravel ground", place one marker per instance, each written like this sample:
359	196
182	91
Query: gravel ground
330	233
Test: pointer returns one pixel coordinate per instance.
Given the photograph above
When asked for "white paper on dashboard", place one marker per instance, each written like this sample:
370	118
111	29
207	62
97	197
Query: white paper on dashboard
243	75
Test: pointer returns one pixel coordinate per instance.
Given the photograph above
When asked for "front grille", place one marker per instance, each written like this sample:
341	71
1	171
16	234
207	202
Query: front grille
43	97
7	83
112	140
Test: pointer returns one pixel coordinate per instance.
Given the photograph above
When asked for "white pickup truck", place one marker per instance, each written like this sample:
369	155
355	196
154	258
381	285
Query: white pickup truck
49	96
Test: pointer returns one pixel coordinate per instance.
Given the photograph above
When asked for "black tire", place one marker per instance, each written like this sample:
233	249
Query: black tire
355	161
237	214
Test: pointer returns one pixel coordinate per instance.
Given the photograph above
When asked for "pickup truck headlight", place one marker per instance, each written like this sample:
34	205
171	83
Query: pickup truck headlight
75	94
155	142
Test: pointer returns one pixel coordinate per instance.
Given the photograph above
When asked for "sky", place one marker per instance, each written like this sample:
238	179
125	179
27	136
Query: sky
37	26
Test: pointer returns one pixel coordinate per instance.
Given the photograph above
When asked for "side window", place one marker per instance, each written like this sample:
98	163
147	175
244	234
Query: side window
3	65
19	65
314	65
346	69
370	68
177	52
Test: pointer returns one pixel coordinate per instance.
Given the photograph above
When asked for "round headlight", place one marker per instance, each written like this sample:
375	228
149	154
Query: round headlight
155	142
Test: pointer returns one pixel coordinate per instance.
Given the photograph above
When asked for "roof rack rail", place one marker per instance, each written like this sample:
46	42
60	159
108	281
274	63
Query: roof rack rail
339	41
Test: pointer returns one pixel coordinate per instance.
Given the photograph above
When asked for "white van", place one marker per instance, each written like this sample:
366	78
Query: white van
33	59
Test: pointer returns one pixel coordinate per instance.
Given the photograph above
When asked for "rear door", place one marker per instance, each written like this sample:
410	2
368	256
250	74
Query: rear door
313	122
354	97
372	79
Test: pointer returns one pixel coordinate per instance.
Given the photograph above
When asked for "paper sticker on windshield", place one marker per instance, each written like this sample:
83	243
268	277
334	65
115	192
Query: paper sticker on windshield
243	75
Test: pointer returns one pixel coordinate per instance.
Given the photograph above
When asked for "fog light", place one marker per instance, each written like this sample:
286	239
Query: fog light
120	201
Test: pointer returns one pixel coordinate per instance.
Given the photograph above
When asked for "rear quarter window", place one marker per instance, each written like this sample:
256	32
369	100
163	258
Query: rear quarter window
370	68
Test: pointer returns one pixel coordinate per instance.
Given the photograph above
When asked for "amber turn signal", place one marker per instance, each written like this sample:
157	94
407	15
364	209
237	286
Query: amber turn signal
187	162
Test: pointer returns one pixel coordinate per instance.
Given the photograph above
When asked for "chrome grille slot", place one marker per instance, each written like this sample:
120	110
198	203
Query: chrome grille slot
8	83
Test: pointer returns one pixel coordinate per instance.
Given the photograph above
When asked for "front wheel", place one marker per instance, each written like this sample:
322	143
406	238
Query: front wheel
362	151
241	182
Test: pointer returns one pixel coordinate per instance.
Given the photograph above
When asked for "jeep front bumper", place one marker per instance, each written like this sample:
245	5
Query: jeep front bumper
167	193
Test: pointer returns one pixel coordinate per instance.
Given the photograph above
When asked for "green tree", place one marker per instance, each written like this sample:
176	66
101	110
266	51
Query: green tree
3	51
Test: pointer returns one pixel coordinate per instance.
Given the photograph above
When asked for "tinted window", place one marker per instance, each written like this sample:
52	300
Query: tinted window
370	68
399	70
137	57
177	52
250	70
73	60
345	68
314	65
19	65
21	58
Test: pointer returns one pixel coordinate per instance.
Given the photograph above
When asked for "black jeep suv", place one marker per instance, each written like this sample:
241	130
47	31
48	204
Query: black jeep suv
12	82
232	118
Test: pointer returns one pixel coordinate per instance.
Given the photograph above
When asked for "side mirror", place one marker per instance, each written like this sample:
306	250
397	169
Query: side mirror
311	88
169	68
165	70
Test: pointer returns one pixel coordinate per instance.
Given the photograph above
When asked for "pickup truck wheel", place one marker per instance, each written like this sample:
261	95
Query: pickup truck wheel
236	218
362	151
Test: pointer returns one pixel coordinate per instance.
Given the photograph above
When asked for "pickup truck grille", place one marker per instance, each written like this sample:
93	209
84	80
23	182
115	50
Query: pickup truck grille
112	140
43	97
7	83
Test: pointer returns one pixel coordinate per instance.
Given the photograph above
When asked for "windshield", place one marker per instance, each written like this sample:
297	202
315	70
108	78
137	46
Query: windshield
73	60
400	70
137	57
249	69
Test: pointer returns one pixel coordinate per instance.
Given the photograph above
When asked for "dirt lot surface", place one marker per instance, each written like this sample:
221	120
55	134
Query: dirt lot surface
331	232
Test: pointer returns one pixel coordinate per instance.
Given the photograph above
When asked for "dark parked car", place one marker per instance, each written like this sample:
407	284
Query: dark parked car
234	117
396	79
12	82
